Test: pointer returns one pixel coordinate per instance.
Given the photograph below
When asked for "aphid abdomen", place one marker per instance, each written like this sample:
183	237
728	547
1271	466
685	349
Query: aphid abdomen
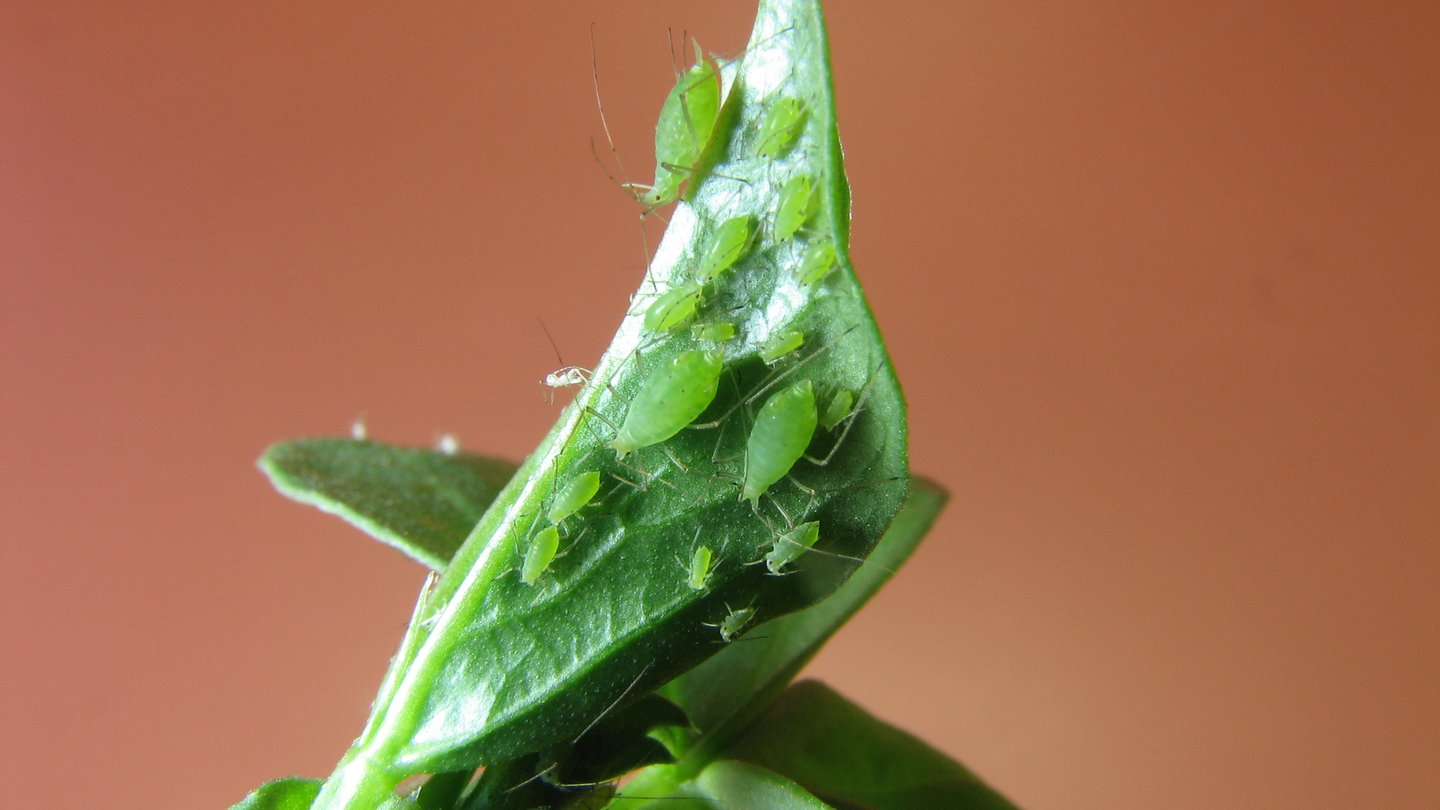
539	554
670	400
783	430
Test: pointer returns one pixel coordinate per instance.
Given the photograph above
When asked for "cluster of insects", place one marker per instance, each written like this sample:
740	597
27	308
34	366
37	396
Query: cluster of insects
698	327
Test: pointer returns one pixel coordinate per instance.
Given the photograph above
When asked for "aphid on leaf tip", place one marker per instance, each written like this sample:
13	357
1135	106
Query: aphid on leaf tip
819	260
781	127
798	198
685	128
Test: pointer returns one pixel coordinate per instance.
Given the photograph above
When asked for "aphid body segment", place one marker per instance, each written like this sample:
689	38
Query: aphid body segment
819	260
783	430
781	127
573	496
797	204
675	308
734	623
780	345
687	123
539	554
669	400
788	547
699	571
727	245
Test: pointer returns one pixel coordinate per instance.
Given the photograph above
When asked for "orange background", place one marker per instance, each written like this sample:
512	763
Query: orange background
1163	287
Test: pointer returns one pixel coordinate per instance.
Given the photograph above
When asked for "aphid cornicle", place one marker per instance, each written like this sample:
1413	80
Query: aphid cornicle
726	246
669	400
797	204
781	127
539	554
573	496
686	125
788	547
783	430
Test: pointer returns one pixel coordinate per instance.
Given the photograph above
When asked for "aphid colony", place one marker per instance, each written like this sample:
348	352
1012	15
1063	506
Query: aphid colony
782	413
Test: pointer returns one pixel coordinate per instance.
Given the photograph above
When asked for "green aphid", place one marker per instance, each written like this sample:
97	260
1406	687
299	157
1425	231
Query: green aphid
727	245
674	309
783	430
780	345
539	554
669	400
700	568
576	493
818	262
735	622
839	407
788	547
798	198
781	127
719	332
686	126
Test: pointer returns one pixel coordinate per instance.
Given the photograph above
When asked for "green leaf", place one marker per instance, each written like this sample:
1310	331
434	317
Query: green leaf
422	502
722	695
501	668
840	752
290	793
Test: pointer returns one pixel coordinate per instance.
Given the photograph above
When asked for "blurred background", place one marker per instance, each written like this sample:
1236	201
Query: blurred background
1163	286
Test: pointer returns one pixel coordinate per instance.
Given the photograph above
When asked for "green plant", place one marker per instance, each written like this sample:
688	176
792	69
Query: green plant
726	489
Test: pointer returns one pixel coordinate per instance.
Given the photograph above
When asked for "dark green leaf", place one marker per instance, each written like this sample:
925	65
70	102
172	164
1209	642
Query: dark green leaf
422	502
290	793
838	751
724	693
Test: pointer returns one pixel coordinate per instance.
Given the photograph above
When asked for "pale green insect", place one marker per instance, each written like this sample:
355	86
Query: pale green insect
675	308
539	554
798	198
700	568
788	547
781	127
719	331
818	262
669	400
685	128
839	407
727	245
734	623
783	430
780	345
576	493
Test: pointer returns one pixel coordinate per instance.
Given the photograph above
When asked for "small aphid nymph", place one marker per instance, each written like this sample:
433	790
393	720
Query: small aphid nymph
717	332
669	400
839	407
818	262
565	377
797	204
539	554
783	430
727	245
781	127
780	345
734	623
700	568
575	494
788	547
675	308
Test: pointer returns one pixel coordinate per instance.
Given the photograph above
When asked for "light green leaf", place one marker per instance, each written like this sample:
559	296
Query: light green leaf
422	502
838	751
